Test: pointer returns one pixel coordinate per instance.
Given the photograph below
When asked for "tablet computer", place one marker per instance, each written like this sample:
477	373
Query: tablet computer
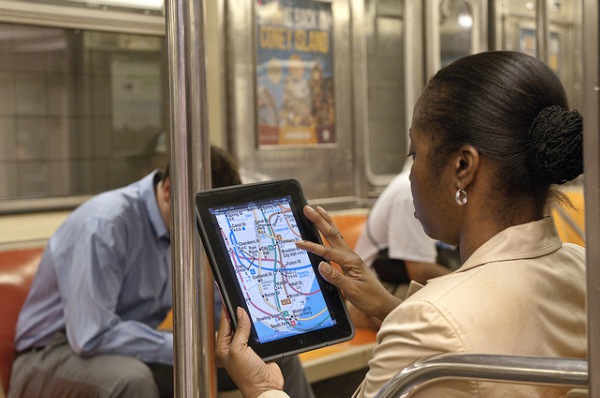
249	233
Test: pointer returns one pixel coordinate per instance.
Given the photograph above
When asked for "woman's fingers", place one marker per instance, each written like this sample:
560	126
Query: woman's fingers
224	337
349	261
316	248
249	372
351	264
331	275
357	281
240	339
230	343
325	225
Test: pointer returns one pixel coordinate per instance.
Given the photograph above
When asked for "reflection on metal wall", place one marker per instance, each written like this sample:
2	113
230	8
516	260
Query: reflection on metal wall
516	30
386	90
455	28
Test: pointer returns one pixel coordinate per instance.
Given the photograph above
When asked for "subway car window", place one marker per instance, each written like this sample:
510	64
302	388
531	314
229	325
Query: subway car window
81	111
385	85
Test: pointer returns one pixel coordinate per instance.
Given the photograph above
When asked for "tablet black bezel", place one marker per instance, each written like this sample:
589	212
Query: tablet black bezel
222	267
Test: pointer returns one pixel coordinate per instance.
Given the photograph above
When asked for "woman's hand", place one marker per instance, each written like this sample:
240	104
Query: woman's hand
358	283
249	372
361	319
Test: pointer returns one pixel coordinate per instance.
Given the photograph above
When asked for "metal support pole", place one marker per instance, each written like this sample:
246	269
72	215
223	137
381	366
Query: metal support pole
542	23
591	166
193	318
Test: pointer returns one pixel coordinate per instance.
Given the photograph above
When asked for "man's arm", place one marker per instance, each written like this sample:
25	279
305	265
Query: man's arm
91	295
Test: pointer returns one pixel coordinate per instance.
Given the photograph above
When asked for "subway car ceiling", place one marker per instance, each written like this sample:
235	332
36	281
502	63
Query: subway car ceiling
319	91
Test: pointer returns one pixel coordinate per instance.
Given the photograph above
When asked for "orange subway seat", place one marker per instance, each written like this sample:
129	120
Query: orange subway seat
17	269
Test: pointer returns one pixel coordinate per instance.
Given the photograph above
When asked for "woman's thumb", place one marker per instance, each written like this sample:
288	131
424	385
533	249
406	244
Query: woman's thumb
243	328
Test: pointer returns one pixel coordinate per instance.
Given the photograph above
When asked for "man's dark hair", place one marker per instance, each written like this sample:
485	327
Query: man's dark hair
224	169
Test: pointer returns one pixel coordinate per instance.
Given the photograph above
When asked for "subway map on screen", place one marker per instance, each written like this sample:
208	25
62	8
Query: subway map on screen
276	278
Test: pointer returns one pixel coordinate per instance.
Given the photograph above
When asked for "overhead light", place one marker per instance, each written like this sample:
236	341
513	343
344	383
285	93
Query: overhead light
465	21
142	4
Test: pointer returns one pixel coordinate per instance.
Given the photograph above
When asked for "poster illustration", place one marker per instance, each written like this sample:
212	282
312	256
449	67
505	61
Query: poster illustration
294	73
527	44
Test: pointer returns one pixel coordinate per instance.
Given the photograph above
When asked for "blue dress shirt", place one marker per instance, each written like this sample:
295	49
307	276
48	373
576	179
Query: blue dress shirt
105	279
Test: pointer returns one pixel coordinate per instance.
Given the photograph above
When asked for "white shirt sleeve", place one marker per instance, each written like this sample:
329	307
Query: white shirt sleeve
392	224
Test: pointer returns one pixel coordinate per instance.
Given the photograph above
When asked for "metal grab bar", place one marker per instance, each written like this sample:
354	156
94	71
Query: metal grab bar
502	368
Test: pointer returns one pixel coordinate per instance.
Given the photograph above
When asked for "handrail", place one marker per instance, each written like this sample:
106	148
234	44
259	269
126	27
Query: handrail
501	368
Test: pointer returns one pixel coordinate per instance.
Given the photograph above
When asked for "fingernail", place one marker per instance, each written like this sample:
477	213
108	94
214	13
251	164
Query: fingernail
324	267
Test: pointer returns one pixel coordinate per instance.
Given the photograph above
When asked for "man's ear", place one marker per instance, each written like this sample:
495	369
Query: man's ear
166	190
466	165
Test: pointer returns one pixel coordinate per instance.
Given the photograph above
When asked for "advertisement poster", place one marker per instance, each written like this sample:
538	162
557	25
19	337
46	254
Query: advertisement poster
294	73
527	44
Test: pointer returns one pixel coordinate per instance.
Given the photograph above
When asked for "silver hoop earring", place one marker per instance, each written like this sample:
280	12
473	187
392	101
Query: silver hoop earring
460	197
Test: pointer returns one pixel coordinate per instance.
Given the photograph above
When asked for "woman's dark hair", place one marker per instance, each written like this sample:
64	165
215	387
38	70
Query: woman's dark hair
513	109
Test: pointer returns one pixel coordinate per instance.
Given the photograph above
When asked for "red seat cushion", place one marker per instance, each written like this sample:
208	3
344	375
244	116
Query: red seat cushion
17	268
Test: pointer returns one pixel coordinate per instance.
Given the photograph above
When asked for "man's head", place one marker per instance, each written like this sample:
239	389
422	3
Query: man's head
224	172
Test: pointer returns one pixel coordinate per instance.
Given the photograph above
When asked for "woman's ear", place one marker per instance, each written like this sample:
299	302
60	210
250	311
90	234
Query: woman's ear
466	165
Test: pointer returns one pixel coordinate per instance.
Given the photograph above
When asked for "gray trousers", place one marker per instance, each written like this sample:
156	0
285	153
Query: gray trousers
55	371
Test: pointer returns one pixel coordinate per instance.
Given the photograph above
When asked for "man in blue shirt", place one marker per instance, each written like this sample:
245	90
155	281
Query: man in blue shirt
88	326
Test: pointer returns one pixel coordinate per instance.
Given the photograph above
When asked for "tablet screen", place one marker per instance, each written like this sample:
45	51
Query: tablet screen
249	233
277	279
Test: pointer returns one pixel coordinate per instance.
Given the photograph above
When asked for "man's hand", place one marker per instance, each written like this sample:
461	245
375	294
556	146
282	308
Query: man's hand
249	372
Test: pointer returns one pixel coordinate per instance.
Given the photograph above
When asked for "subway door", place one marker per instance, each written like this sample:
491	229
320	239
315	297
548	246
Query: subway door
289	93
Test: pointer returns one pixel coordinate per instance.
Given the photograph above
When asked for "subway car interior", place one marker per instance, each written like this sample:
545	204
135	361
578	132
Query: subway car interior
98	93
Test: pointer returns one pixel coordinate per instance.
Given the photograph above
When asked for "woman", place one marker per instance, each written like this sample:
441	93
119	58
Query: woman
490	135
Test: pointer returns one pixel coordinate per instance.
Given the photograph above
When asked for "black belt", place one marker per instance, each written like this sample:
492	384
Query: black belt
57	339
27	351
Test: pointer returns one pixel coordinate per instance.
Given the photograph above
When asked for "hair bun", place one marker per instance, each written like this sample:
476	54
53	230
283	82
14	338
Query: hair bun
555	145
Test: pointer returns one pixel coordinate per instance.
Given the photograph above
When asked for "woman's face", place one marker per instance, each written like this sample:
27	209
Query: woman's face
432	190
